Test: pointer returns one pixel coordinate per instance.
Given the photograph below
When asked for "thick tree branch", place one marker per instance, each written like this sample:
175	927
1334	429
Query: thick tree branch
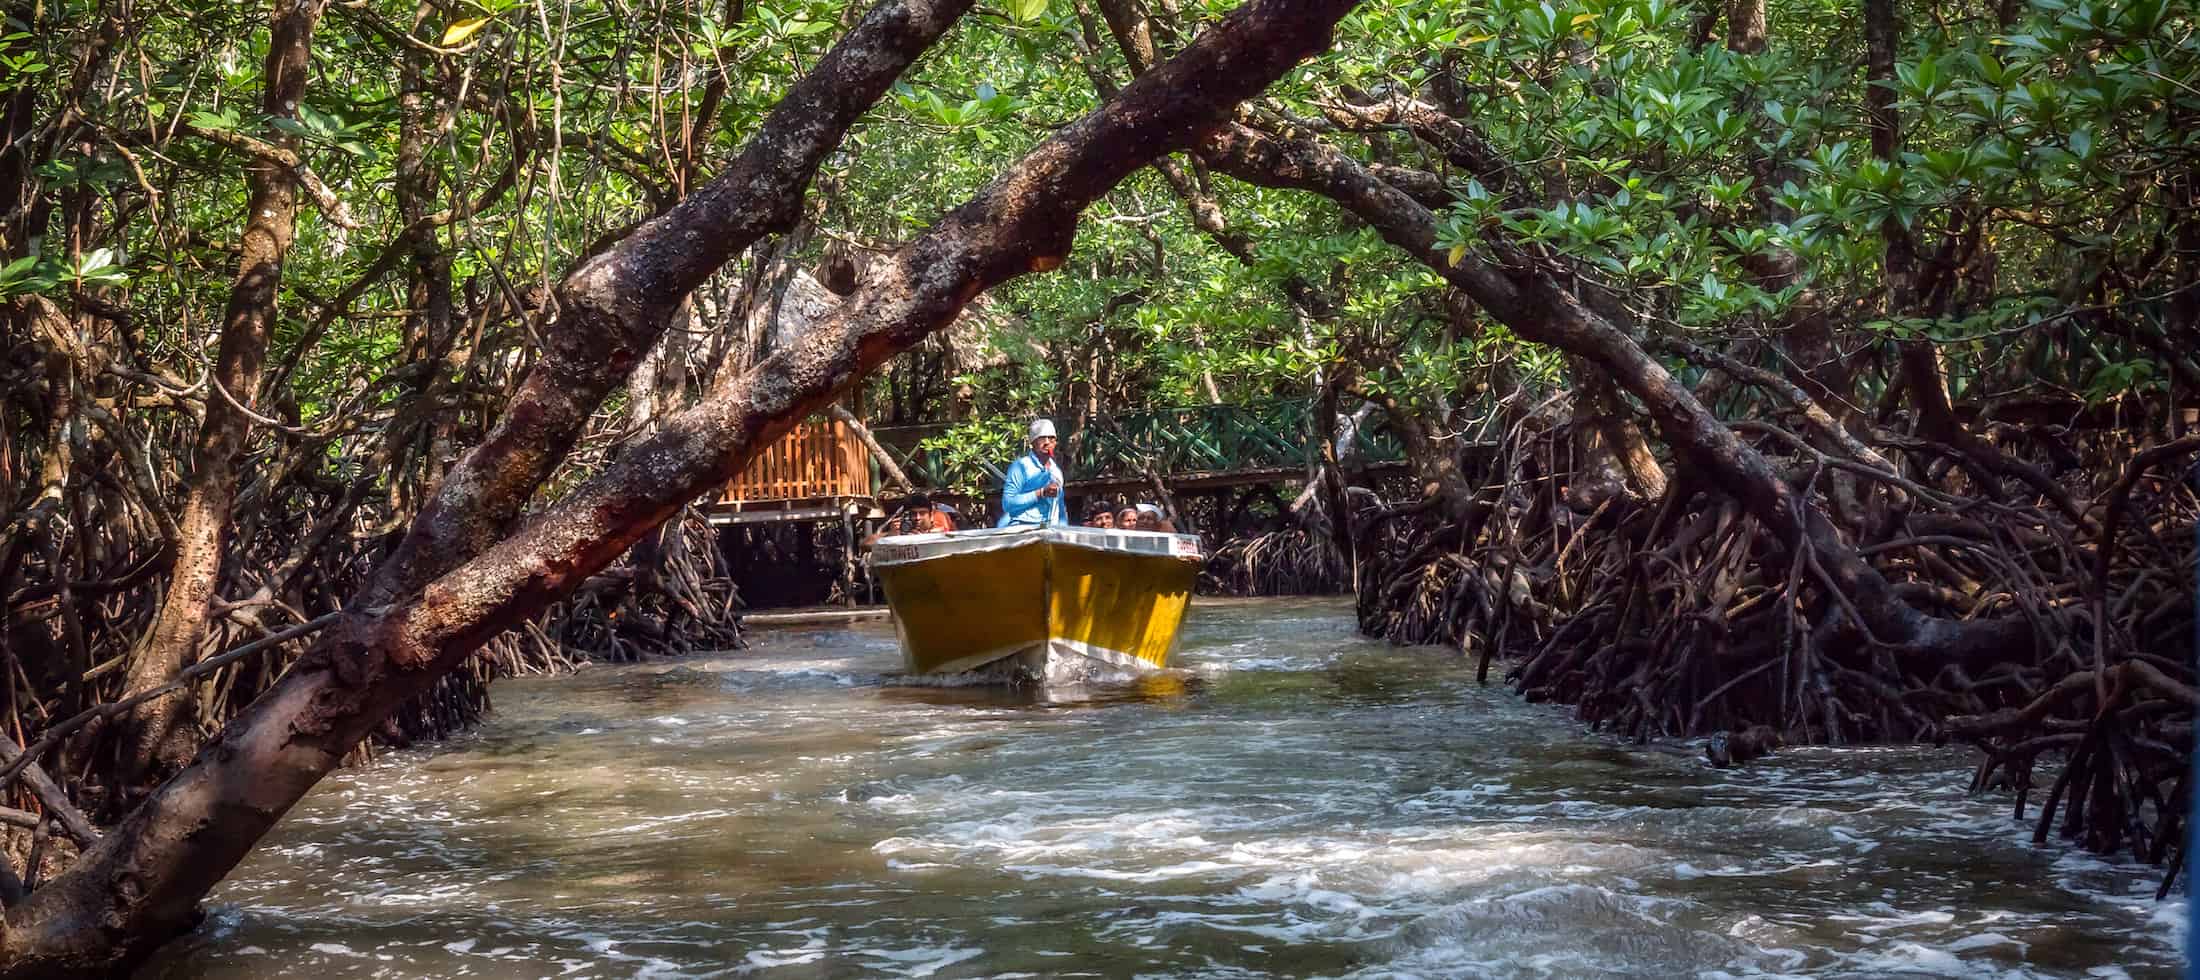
156	735
331	206
197	826
49	793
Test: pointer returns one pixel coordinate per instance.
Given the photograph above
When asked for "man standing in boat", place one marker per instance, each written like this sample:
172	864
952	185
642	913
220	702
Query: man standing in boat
1031	492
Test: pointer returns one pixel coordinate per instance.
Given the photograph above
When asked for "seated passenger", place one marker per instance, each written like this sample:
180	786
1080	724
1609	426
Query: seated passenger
1127	519
1150	518
915	515
1098	515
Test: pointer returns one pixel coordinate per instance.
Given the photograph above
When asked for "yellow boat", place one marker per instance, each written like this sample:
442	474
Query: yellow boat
1049	604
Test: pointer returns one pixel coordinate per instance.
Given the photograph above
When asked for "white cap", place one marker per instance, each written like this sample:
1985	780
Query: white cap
1040	428
1149	508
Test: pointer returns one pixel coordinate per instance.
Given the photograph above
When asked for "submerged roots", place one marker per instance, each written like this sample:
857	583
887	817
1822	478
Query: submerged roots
1292	561
671	596
1682	615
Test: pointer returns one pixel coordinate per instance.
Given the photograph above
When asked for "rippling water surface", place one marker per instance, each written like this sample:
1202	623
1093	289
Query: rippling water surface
1296	801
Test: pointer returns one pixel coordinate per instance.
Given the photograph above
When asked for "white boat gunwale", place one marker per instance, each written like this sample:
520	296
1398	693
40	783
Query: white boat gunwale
905	549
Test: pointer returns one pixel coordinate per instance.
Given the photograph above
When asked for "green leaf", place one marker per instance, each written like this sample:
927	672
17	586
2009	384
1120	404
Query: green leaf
2081	142
459	31
1026	11
211	121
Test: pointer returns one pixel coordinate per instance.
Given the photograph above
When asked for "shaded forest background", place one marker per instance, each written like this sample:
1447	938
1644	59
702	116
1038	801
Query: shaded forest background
1845	353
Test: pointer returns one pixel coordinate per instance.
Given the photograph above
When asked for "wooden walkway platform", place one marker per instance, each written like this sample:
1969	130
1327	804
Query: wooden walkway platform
821	470
821	616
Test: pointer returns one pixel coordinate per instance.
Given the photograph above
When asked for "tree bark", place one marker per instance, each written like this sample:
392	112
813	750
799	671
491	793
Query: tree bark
1334	500
1745	26
154	732
428	322
1434	459
1882	31
141	883
1133	33
1618	437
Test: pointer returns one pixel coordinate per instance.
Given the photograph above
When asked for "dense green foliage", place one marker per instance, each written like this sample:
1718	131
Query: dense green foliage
2057	140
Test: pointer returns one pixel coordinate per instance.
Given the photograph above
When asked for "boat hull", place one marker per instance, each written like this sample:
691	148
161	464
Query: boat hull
1037	604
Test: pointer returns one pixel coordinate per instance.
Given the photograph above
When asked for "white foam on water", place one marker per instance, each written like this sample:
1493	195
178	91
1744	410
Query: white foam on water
921	961
766	959
1212	663
1372	814
1553	931
898	864
1983	940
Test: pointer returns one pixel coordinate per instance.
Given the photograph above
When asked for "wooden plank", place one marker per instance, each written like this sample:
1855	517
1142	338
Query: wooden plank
816	508
813	617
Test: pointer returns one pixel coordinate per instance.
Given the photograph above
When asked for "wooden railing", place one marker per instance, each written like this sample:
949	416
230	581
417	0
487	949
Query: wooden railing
817	459
825	459
1205	439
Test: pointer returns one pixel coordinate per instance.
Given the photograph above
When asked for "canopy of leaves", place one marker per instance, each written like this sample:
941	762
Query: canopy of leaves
2052	142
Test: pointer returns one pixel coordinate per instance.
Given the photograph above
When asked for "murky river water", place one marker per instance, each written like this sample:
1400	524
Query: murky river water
1300	803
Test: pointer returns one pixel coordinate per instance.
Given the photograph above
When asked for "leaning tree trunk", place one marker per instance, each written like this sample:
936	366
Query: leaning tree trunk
1332	479
142	882
886	465
616	304
1619	441
155	735
1433	458
1526	294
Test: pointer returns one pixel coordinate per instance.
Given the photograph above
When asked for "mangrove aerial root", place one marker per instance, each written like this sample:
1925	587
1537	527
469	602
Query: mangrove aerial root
1291	561
1681	616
